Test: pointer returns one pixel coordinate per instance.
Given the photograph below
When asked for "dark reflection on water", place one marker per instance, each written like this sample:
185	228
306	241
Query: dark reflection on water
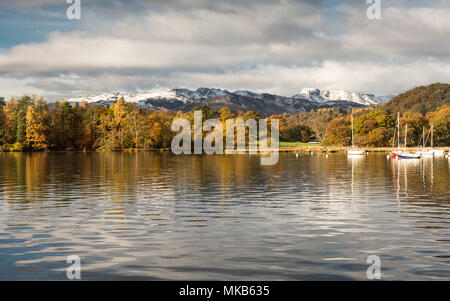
160	216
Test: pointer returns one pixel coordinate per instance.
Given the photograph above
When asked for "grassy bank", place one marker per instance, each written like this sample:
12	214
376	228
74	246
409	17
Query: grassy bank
333	149
297	144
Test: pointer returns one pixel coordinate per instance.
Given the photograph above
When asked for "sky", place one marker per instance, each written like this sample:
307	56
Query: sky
259	45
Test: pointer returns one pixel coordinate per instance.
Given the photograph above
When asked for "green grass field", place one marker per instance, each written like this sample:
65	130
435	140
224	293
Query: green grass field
296	144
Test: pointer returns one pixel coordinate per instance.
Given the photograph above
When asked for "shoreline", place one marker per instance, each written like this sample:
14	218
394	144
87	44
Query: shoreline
297	149
335	149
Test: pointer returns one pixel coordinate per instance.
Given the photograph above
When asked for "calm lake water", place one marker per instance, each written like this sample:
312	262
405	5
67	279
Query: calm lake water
156	216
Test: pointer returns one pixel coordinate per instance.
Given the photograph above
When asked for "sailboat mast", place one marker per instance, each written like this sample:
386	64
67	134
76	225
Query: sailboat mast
431	135
406	133
423	138
398	130
353	144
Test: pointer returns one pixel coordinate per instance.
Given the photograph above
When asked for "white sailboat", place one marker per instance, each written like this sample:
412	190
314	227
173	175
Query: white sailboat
407	155
432	151
425	152
354	151
395	153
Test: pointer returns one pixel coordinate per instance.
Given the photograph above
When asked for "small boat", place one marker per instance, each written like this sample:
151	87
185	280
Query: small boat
354	151
405	154
425	152
409	156
395	153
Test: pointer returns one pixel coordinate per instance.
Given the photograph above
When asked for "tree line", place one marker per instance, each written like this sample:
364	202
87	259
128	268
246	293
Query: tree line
30	123
375	127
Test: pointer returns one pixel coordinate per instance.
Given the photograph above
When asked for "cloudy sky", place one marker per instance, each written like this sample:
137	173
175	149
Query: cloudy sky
259	45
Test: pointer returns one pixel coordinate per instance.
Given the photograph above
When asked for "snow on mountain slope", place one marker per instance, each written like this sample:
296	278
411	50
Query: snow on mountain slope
241	100
183	95
323	96
246	93
113	96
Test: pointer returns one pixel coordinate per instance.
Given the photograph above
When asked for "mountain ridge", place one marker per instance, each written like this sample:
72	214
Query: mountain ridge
181	99
421	99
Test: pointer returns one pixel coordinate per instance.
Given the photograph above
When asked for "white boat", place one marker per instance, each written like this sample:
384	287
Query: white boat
395	153
354	151
405	154
425	152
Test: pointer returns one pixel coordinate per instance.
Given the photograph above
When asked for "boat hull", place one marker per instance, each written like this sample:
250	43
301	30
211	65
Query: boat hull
353	152
409	156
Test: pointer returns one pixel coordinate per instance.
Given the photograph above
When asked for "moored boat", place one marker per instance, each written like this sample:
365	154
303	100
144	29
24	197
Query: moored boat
395	153
409	156
354	151
425	152
405	154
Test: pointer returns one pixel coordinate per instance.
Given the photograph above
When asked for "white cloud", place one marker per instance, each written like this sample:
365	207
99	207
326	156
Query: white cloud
276	47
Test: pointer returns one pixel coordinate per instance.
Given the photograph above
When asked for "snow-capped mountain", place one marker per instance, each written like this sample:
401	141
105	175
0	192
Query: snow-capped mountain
184	95
263	103
323	96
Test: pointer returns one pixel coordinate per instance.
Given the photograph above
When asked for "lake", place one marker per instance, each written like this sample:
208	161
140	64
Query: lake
157	216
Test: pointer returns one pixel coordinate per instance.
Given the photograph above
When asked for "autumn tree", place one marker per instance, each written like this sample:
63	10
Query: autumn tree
37	125
86	116
441	125
2	125
339	131
415	122
21	113
15	112
373	128
10	122
104	139
316	120
119	120
224	114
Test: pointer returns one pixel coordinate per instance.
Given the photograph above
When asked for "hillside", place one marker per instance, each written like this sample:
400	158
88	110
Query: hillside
421	99
263	103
